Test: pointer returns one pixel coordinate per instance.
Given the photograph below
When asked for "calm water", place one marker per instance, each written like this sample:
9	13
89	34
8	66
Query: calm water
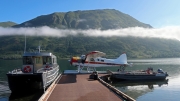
141	91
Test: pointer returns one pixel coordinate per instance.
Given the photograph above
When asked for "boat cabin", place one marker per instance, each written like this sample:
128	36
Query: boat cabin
32	62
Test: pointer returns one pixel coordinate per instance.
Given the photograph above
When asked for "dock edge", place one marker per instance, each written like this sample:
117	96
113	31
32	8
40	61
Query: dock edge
115	90
47	93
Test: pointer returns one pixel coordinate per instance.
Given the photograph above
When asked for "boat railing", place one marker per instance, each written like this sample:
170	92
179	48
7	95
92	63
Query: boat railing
44	82
15	71
50	89
43	70
40	70
54	76
48	77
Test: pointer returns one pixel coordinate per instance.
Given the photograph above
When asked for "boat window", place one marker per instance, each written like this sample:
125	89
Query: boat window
38	60
46	60
27	60
102	60
97	59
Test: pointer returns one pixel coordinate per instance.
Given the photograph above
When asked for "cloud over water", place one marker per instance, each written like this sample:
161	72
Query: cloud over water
171	32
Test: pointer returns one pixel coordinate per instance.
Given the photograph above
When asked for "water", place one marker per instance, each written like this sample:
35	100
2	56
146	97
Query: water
141	91
154	90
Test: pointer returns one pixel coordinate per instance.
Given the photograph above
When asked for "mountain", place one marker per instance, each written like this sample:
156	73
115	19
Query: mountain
7	24
89	19
65	47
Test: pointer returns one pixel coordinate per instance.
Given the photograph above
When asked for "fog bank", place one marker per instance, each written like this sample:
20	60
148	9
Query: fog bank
171	32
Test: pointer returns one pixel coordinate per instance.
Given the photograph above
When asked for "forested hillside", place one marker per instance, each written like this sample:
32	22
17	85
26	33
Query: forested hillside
65	47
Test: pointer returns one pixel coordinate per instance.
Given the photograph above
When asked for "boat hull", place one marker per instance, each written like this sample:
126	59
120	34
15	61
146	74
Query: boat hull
19	81
24	82
138	77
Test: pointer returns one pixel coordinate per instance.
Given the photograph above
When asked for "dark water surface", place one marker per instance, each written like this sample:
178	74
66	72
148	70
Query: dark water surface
168	90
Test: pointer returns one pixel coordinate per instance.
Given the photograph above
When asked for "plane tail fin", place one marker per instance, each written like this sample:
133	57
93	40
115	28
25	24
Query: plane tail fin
122	59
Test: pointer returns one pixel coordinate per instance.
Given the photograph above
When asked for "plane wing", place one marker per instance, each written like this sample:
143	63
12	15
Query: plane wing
94	54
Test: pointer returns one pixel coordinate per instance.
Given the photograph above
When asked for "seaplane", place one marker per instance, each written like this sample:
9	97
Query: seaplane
95	59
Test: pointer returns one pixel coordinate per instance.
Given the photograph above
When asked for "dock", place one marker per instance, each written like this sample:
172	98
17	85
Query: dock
72	86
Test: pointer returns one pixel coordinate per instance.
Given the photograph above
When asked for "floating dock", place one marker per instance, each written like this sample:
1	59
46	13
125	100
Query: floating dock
74	86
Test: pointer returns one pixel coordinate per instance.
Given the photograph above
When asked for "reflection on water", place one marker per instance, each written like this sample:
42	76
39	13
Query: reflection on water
155	91
138	88
156	61
4	91
149	83
6	95
26	96
164	93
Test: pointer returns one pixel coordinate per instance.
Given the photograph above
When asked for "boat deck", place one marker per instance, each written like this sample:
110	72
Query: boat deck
74	87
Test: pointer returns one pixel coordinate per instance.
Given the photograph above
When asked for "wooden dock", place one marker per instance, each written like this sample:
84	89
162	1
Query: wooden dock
78	87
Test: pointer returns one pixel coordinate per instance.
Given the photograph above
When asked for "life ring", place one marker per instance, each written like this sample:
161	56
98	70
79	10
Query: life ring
27	69
47	66
148	71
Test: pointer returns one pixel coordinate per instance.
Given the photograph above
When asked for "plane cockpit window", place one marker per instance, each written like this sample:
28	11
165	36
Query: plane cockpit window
92	59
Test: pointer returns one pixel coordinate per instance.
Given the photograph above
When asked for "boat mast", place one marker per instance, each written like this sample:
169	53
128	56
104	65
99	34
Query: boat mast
39	47
25	44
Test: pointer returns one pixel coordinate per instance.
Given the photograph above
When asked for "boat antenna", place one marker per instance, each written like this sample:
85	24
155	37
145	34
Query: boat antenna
25	44
39	47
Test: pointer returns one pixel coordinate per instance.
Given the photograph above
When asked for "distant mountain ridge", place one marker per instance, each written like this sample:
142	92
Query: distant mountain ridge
88	19
7	24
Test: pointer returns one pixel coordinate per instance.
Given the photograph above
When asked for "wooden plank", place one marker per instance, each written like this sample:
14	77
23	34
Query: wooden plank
80	88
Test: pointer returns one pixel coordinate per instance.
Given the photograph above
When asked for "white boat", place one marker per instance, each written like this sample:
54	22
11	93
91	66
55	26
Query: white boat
38	71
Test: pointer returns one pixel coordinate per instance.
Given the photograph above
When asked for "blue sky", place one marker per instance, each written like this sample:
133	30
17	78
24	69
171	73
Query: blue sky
158	13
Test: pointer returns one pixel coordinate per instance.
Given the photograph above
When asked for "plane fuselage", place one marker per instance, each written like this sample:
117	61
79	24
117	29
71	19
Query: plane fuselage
95	62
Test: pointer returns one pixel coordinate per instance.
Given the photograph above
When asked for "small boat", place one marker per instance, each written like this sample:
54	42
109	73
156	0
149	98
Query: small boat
149	83
148	74
38	71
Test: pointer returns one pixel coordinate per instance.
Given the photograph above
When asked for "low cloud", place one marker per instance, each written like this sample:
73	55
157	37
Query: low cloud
81	20
171	32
